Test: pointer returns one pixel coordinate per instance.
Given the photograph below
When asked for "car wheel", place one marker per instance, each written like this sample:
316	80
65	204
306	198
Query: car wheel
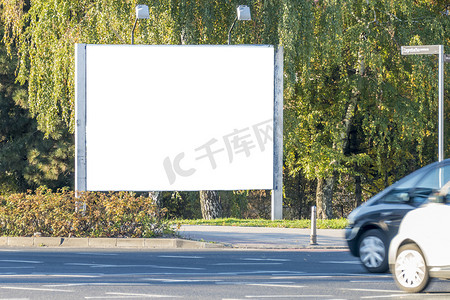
410	270
373	250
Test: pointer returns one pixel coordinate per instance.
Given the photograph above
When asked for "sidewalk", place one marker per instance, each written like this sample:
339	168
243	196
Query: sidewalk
264	237
198	237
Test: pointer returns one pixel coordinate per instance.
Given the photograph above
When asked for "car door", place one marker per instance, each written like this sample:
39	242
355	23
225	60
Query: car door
393	207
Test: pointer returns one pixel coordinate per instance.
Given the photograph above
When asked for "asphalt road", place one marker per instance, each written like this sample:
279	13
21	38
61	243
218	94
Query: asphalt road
196	274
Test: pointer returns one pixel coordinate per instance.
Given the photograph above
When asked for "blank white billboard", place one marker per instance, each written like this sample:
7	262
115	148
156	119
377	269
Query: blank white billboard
179	117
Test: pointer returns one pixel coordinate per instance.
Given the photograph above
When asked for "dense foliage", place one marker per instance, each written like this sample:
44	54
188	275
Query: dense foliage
90	215
27	160
358	115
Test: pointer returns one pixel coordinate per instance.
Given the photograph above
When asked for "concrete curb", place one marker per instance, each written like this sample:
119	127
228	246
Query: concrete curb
135	243
143	243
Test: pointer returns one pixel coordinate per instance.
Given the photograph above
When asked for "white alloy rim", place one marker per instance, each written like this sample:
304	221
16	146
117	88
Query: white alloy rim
372	252
410	268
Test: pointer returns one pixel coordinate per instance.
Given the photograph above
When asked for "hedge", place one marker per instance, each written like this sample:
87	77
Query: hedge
93	214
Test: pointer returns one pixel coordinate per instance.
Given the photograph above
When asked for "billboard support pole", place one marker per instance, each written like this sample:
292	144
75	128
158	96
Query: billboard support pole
277	192
80	118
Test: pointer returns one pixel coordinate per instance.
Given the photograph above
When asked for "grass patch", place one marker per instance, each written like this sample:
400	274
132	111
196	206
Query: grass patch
305	223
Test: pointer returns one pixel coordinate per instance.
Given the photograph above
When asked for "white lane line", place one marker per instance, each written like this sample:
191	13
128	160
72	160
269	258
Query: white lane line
265	259
18	267
180	280
180	256
302	277
289	296
34	289
74	276
381	280
130	295
285	273
246	264
419	295
387	296
176	268
97	284
49	275
348	262
254	283
22	261
371	290
130	266
277	285
98	254
89	265
326	275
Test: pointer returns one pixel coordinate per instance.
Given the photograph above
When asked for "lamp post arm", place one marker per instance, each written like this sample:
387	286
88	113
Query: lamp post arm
229	31
132	32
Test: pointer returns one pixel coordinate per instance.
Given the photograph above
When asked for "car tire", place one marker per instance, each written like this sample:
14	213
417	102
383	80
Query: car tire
373	251
410	269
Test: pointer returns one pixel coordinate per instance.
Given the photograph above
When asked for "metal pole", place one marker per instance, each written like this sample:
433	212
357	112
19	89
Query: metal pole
229	31
132	32
313	240
277	192
80	118
441	102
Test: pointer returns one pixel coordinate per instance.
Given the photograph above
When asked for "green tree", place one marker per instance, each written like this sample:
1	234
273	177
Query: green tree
357	107
353	106
27	160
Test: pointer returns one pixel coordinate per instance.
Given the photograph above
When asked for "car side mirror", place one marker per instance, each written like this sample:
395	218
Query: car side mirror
403	197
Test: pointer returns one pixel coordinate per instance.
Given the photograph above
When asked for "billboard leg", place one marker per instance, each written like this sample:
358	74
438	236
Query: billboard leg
277	192
80	118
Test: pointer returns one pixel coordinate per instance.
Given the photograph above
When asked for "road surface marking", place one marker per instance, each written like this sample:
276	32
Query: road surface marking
349	262
245	264
22	261
265	259
130	295
371	290
180	256
166	280
290	296
277	285
35	289
97	253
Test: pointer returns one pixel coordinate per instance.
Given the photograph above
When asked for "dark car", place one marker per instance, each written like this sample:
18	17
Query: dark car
372	225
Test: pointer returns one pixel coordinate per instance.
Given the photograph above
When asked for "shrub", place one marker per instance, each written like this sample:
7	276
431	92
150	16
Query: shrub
93	214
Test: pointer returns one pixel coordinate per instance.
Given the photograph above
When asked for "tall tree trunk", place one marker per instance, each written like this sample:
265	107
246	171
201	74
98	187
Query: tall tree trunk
210	204
324	197
358	191
156	197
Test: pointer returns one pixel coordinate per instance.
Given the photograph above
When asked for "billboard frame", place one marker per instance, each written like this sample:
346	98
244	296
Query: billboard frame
81	116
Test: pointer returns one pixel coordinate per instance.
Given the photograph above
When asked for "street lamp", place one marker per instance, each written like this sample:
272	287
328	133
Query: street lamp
141	13
242	14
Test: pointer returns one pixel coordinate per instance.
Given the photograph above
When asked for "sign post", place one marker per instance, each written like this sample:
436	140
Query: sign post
434	49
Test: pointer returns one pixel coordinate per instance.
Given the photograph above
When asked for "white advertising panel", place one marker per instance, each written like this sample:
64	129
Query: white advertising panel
179	117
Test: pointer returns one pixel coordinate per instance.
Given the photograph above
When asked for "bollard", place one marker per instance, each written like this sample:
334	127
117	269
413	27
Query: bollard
313	240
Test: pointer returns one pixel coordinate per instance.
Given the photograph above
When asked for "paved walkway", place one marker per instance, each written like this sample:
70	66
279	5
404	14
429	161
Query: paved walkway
263	237
198	237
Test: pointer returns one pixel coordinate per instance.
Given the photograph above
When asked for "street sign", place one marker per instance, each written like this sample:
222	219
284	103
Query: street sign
434	49
426	49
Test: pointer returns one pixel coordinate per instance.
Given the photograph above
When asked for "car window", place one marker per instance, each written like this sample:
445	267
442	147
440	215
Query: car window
435	179
410	182
397	196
